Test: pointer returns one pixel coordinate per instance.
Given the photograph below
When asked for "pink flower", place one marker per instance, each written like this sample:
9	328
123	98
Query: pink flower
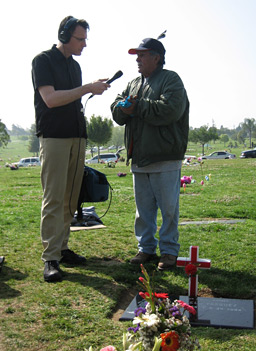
144	295
108	348
187	307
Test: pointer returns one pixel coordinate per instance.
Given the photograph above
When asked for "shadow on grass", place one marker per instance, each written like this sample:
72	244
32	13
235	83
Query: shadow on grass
6	274
235	284
124	277
219	282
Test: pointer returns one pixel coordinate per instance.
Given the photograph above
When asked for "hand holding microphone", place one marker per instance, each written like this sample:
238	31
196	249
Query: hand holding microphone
102	84
99	86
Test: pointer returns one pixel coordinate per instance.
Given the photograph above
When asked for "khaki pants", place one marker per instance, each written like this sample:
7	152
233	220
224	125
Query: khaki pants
62	164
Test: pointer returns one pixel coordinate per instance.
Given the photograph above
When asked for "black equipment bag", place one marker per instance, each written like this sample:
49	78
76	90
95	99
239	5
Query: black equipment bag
95	186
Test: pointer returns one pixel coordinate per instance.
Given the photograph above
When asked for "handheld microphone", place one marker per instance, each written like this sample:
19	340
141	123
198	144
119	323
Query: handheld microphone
115	76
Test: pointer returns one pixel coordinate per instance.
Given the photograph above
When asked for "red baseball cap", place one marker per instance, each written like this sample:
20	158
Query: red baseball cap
149	44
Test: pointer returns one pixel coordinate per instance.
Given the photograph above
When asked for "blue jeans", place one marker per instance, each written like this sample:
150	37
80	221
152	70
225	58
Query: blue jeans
153	191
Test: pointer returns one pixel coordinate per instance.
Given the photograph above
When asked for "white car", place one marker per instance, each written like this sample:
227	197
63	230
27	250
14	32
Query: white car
219	154
29	161
103	158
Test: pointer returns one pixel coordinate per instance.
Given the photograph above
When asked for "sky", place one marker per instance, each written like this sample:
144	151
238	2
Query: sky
209	43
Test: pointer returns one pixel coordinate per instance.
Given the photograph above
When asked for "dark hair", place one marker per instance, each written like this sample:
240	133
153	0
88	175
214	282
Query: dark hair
71	29
161	62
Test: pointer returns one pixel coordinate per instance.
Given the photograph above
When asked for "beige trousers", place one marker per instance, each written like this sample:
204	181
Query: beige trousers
62	164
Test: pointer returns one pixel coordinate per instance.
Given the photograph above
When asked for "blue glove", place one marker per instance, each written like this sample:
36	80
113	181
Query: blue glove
125	103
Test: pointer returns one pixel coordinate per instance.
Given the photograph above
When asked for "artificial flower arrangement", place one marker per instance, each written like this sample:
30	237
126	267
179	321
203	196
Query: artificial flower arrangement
161	326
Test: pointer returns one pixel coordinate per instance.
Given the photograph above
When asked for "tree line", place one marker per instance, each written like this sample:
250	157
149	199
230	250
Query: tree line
205	134
101	131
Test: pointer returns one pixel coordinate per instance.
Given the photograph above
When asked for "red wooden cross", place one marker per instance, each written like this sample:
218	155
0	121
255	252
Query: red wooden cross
198	263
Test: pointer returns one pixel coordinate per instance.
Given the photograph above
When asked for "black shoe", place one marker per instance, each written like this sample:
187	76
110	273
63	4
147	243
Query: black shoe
52	272
70	257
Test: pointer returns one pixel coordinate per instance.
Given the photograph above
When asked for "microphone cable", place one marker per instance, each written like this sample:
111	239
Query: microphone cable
117	75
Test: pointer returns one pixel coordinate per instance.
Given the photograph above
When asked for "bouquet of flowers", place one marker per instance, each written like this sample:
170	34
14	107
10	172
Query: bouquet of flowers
159	326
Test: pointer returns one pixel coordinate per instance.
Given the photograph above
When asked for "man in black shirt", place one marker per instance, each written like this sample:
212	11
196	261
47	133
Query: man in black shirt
60	126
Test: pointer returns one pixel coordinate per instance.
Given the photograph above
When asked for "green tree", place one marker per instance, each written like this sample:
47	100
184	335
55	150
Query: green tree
33	143
17	130
99	131
200	135
241	135
214	133
4	136
117	136
249	126
224	138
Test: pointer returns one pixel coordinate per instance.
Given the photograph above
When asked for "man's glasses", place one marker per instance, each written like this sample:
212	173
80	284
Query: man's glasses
79	39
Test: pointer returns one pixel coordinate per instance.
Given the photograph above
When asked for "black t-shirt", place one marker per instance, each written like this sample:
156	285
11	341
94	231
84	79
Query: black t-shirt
52	68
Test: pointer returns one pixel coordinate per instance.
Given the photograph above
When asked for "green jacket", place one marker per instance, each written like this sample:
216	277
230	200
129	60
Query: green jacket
158	129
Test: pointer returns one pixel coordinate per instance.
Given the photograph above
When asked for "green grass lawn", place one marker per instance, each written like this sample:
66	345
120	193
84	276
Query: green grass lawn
78	312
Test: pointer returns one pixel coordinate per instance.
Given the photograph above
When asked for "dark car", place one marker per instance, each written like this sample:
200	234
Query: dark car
248	153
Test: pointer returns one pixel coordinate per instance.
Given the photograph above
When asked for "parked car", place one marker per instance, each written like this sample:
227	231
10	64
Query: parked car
248	153
29	161
219	155
104	158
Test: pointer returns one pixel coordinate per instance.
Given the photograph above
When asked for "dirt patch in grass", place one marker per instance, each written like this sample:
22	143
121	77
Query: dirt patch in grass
205	292
123	302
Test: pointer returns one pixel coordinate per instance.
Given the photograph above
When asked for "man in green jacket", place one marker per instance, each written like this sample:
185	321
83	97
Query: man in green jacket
155	111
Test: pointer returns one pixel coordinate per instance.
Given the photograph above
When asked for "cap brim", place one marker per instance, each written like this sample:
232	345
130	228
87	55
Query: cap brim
135	51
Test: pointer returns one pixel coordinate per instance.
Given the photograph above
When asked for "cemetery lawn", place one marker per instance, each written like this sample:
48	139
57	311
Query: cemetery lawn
84	308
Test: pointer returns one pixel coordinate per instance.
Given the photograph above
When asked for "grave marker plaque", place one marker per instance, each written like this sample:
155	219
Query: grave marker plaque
211	312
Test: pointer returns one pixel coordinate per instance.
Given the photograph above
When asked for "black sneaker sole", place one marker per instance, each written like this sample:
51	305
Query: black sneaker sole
166	268
53	278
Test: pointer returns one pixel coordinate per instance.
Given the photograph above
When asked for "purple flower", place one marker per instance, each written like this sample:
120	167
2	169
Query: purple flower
175	311
139	310
134	329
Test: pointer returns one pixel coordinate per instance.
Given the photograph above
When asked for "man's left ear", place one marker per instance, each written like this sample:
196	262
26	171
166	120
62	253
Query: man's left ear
157	58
